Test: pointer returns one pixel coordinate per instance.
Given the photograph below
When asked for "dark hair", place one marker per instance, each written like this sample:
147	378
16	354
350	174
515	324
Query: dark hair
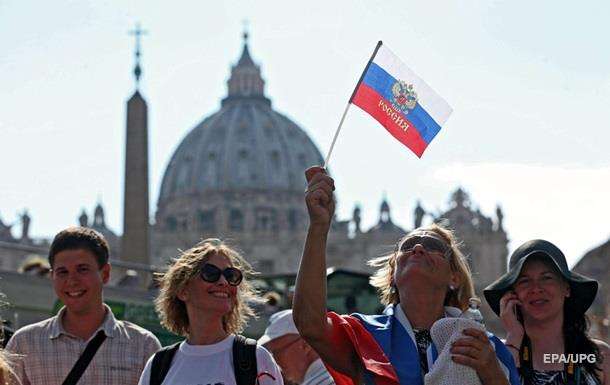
85	238
577	340
575	326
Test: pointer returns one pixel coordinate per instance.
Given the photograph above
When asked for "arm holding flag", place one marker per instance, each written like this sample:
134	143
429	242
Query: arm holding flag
309	307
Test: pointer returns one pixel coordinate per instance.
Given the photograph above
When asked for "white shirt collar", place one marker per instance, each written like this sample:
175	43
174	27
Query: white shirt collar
109	324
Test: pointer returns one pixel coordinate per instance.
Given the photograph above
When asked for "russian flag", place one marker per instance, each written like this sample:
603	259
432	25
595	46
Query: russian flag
400	100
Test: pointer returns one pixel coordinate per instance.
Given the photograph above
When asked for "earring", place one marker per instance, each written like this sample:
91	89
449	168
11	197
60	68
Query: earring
451	287
393	289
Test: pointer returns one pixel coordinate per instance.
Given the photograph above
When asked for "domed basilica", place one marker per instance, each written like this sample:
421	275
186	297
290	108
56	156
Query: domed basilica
238	174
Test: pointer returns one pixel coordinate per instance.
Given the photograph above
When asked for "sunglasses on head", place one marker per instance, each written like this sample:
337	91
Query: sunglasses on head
430	243
211	273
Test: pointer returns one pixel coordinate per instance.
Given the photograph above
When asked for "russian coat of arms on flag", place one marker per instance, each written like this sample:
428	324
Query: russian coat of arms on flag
400	100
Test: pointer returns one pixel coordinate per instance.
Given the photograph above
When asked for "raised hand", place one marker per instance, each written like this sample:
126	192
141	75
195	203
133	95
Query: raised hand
319	197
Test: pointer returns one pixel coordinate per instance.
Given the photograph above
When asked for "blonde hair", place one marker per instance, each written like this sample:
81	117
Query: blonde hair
172	310
7	362
383	278
7	375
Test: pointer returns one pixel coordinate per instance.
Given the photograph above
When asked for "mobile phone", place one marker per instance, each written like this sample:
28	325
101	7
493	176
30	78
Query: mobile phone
518	313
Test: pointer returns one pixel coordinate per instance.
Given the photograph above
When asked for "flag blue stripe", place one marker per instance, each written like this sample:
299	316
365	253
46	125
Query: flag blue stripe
506	359
379	80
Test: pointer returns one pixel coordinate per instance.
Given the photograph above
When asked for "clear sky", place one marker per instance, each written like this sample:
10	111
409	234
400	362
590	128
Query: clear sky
529	83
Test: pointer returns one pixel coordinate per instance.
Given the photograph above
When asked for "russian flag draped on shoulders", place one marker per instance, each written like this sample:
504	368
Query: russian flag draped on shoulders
389	354
402	102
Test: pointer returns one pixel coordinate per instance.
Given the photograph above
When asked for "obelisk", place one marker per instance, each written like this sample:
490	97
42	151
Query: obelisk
135	241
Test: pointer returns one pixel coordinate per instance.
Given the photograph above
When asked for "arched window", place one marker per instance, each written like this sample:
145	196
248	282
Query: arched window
206	220
303	160
236	220
275	167
171	224
275	159
293	219
184	173
266	219
242	165
211	170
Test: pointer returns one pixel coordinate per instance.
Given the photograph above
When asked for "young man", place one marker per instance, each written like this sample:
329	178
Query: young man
49	349
300	364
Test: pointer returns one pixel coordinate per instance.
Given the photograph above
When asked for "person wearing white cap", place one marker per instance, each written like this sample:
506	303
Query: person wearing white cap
299	363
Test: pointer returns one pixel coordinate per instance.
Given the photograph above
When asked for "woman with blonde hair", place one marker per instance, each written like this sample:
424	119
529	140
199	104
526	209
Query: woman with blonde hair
204	296
425	279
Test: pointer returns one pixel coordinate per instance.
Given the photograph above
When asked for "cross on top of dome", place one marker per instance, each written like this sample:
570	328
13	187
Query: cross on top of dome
246	59
246	80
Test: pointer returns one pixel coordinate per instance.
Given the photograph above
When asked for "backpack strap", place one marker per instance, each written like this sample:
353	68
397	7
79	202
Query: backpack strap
244	360
85	358
161	363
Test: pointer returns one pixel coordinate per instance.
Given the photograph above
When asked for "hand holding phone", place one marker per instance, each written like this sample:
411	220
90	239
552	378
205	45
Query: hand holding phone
511	317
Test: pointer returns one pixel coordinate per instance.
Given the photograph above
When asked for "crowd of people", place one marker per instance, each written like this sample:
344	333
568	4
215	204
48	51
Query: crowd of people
206	296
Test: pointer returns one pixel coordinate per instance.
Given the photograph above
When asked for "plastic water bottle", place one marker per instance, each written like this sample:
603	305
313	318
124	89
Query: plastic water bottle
473	311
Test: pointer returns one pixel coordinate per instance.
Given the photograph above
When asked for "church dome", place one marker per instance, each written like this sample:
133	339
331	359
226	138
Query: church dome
246	145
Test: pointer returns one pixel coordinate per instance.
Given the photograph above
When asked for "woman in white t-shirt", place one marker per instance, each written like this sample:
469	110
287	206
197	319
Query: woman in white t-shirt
204	297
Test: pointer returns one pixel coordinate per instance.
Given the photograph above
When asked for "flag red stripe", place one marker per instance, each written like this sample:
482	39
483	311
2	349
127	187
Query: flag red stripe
397	124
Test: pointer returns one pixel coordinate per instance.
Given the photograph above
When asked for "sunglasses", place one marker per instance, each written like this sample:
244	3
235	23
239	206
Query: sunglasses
211	273
431	244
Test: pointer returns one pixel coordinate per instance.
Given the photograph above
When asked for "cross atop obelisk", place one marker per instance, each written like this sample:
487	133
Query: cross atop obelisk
138	33
245	34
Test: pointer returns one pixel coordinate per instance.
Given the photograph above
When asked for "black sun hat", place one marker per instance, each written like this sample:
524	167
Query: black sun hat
582	289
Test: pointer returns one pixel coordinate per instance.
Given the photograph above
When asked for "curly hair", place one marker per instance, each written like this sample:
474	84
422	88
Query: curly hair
383	278
7	375
7	359
172	310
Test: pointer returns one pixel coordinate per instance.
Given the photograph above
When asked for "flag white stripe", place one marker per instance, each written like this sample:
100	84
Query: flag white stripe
429	100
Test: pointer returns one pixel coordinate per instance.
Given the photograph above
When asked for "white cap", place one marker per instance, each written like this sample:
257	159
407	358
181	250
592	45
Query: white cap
280	324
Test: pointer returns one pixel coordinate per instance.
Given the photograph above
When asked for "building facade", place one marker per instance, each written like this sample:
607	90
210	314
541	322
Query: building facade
239	175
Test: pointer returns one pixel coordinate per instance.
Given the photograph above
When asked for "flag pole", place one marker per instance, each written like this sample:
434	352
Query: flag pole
332	145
